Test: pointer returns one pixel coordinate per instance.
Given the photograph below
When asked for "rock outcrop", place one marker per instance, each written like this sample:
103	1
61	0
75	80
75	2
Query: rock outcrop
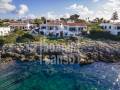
81	53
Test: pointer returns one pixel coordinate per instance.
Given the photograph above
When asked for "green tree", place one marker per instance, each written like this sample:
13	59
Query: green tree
2	41
115	16
94	26
43	19
19	32
10	38
3	24
81	21
74	17
63	19
25	38
37	21
99	20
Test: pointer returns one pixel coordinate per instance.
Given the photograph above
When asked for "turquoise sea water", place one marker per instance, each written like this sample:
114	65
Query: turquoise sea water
33	76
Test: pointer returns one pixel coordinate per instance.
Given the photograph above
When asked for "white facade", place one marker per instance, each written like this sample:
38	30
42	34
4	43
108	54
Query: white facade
59	30
4	31
113	28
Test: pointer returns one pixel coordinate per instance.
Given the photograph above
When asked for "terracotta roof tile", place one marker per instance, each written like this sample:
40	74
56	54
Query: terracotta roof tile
76	24
64	23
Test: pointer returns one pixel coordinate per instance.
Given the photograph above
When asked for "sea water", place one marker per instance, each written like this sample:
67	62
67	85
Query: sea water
34	76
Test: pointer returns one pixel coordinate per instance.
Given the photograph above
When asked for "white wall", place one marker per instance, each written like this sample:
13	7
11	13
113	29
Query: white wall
61	29
112	30
4	31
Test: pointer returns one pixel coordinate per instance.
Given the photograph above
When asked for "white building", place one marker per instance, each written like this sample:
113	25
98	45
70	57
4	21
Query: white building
4	31
113	27
20	25
60	29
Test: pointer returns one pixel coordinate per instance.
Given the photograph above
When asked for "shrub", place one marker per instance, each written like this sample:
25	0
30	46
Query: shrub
25	38
73	39
2	41
100	34
36	38
10	38
19	32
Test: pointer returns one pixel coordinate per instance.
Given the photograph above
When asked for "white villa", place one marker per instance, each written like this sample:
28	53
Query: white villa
4	31
20	25
60	29
112	27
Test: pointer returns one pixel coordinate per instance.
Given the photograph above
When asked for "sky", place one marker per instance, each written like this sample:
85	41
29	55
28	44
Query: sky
53	9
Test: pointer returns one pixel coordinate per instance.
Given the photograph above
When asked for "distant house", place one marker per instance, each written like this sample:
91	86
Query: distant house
112	27
60	29
4	31
20	25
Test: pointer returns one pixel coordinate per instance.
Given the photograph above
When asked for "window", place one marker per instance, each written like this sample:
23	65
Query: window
66	34
65	27
109	27
43	27
80	28
51	28
72	29
118	33
56	28
118	27
105	27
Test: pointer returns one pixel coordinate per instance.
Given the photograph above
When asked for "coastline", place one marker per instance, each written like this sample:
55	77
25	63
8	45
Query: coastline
84	52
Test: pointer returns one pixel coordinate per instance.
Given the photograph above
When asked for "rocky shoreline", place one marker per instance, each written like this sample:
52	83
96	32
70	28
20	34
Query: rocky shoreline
80	53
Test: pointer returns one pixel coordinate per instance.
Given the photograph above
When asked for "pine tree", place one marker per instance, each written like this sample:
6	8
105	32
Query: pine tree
115	16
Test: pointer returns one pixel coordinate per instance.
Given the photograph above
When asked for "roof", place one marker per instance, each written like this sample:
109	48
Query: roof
18	24
76	24
65	23
56	22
